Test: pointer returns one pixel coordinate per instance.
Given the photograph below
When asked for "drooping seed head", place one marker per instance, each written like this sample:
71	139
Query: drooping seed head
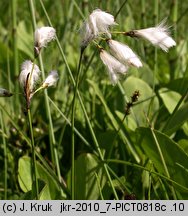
115	68
158	36
124	54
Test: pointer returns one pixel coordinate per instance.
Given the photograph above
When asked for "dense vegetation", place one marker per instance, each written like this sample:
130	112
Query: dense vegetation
117	153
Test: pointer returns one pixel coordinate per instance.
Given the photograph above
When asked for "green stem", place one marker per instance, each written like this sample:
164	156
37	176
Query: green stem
115	137
15	50
35	188
53	147
5	154
72	127
163	161
82	105
175	110
144	168
121	7
175	17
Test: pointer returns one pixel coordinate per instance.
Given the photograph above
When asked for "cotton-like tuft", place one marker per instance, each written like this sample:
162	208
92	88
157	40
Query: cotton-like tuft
100	21
43	36
124	54
158	36
115	68
30	73
51	79
97	23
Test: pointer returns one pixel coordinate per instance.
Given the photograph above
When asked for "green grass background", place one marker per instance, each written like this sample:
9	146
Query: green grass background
143	157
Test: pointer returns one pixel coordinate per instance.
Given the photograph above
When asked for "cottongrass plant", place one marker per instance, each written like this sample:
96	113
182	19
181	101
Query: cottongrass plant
29	78
97	27
120	56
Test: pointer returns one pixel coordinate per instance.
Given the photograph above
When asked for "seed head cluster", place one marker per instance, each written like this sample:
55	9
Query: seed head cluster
120	56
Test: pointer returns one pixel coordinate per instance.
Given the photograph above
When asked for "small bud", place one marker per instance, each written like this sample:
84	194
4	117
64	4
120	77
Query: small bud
51	79
5	93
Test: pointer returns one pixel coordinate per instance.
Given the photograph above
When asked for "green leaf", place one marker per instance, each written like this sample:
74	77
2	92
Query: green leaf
169	98
86	184
178	85
177	120
25	40
113	120
172	153
49	191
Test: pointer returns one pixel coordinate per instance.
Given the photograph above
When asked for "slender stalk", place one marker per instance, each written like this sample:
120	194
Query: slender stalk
53	147
156	11
35	188
121	7
5	154
155	16
144	168
115	137
15	50
69	123
175	17
98	183
72	127
163	161
175	109
82	106
46	165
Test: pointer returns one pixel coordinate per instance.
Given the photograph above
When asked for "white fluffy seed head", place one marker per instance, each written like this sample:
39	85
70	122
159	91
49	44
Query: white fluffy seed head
43	36
97	23
115	68
27	70
86	34
124	54
100	22
158	36
51	79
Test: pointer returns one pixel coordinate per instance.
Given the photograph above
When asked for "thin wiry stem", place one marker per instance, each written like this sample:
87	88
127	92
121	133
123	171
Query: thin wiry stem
51	129
82	106
34	170
163	161
144	168
121	7
72	127
15	49
175	110
5	154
